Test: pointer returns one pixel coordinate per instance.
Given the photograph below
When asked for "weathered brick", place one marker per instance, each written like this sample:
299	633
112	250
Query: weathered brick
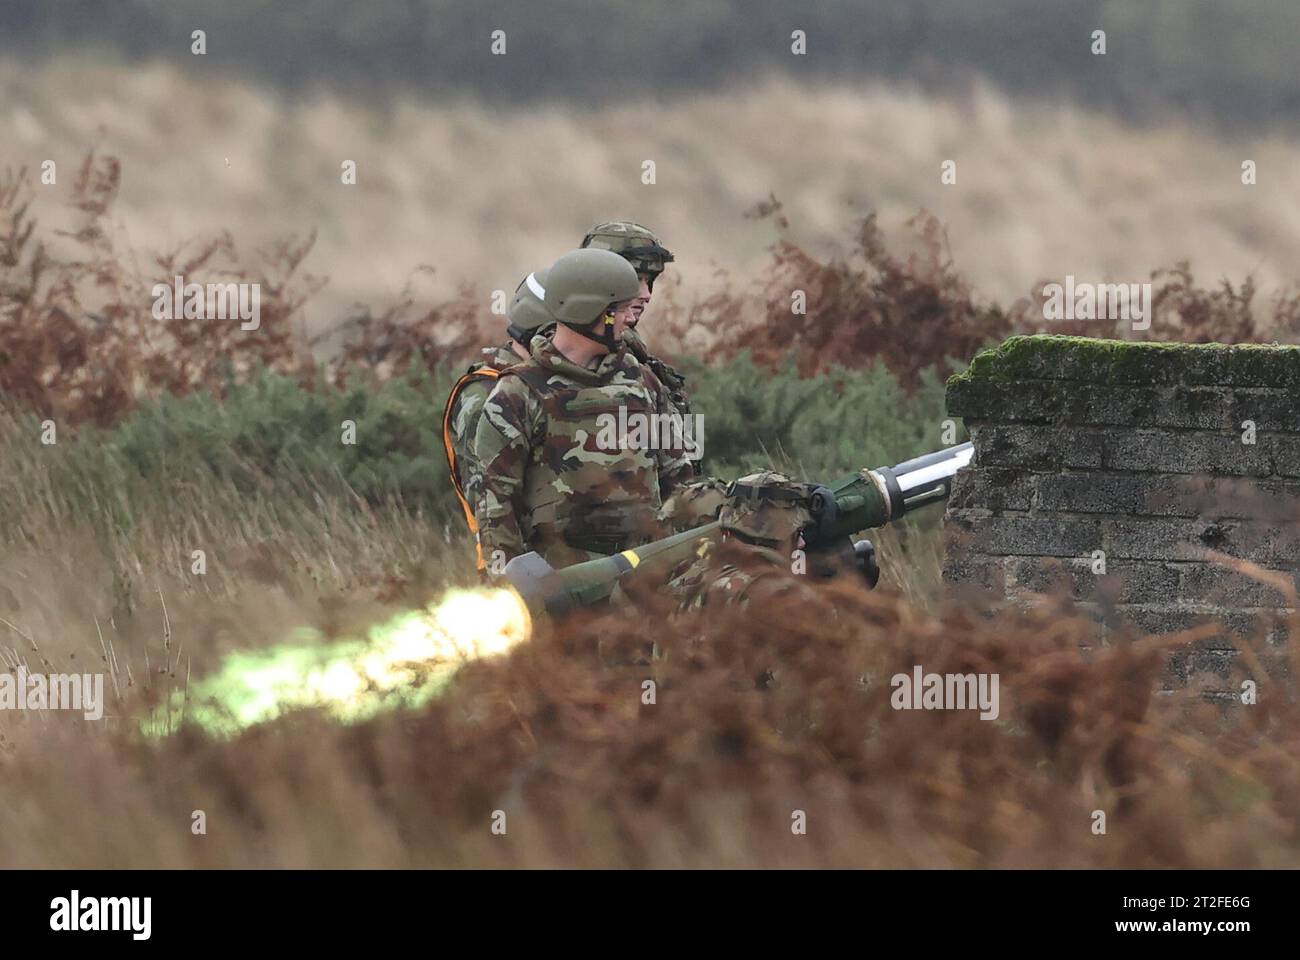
1187	408
1243	365
1035	448
1188	452
1002	445
1232	625
1157	619
1272	625
1030	401
1098	405
1159	539
1092	492
1168	495
1284	454
1277	665
992	488
1204	408
1216	498
976	571
1227	664
1222	586
1186	663
1047	575
1214	408
1127	582
1142	538
1200	408
1049	536
1271	410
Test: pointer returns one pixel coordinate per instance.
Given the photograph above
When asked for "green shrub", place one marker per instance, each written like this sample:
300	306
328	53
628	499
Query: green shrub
816	428
271	452
272	433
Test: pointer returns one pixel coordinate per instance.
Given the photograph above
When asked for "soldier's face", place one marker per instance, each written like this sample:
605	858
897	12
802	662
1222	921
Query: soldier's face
624	317
642	298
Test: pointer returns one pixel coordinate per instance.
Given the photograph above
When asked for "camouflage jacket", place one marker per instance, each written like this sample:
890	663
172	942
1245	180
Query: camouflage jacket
460	423
555	477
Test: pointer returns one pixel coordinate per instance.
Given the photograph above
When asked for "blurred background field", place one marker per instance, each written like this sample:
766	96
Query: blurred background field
484	174
774	174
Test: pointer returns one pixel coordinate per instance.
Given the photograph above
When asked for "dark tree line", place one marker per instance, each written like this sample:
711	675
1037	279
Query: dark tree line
1227	61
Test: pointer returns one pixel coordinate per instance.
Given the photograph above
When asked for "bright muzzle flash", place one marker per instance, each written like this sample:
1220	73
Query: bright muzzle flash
403	662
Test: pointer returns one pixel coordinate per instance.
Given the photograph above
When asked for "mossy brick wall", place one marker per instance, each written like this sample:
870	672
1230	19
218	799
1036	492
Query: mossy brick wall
1136	450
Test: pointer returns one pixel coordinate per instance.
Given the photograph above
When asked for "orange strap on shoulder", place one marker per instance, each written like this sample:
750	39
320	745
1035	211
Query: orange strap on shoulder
482	373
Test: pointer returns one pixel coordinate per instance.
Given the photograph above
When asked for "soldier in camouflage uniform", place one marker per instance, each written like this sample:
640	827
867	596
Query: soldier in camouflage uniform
640	247
552	480
760	550
527	317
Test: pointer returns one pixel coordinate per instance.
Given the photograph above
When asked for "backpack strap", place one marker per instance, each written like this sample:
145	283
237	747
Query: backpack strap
535	378
531	374
481	373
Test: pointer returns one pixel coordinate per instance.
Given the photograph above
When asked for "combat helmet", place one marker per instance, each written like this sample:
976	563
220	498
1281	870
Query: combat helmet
583	286
528	313
693	504
636	244
767	509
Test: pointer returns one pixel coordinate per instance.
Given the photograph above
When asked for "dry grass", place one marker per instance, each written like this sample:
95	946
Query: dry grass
485	195
556	735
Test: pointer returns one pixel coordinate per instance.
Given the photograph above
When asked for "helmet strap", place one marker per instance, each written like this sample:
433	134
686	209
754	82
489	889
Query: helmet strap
602	331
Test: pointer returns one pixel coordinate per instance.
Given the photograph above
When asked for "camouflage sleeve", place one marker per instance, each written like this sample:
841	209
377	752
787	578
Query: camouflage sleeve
464	425
677	460
673	381
502	443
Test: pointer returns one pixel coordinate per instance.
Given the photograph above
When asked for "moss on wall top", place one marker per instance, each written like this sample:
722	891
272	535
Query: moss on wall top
1090	360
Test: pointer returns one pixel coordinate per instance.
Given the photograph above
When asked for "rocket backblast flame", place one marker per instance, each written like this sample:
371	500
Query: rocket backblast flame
405	661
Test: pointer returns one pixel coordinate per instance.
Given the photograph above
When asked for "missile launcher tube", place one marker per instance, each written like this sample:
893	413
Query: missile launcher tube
860	501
